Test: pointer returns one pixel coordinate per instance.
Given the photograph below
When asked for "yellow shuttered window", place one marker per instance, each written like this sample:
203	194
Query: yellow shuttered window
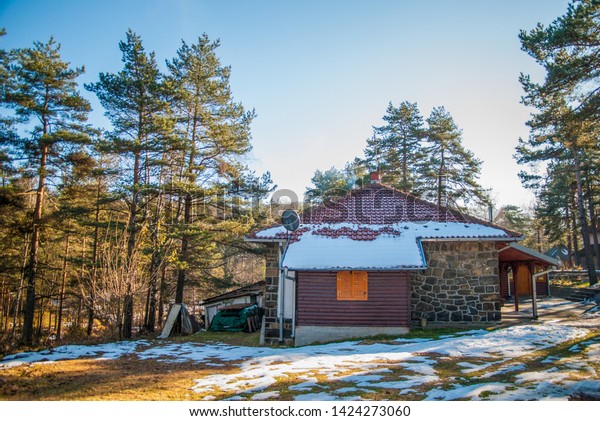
352	285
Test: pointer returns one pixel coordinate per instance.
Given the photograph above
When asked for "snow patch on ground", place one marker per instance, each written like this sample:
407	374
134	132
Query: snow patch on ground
503	370
472	392
265	395
70	352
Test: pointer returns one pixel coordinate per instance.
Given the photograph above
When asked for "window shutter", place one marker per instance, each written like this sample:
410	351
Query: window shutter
344	285
360	290
352	285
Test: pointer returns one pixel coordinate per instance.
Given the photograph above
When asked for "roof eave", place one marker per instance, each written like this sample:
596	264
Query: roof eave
264	240
507	239
367	269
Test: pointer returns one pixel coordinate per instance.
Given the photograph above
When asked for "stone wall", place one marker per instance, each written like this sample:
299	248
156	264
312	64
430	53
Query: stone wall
271	320
460	285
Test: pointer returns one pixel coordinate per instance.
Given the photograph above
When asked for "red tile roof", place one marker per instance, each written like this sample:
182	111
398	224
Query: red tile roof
380	204
374	204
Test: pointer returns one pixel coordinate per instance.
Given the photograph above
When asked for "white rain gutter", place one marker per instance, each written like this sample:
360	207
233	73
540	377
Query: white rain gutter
293	279
280	292
470	239
264	240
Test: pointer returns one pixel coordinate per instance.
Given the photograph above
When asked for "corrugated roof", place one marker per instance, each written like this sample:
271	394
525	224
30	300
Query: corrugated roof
252	289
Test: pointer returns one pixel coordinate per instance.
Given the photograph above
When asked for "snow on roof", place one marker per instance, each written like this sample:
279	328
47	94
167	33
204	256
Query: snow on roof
385	252
384	247
366	232
350	246
375	227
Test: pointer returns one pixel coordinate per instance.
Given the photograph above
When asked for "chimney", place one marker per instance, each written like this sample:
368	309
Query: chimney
375	177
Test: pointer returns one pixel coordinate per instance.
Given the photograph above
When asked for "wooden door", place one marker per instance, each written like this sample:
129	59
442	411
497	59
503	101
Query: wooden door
523	280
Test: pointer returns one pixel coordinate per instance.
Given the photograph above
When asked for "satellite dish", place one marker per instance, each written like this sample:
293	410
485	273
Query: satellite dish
290	220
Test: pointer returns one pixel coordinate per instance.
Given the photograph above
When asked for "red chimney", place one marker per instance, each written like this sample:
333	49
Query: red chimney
375	177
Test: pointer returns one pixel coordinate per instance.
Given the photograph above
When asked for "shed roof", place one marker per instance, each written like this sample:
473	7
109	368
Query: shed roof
252	289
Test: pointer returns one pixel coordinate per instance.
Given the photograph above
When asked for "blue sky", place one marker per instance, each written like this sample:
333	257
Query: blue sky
320	73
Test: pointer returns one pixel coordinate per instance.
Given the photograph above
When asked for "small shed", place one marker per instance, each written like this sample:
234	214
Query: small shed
249	294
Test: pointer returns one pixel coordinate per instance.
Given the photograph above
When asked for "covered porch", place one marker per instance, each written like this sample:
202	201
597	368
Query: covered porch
523	274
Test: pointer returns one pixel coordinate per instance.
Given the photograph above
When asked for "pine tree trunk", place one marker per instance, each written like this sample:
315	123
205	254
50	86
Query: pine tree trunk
569	239
132	226
3	302
593	223
187	216
574	233
152	291
21	281
589	261
32	265
441	184
63	283
163	294
92	299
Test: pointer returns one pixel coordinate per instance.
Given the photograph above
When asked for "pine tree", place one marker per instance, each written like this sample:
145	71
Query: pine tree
450	171
44	91
568	101
135	100
213	133
396	149
328	185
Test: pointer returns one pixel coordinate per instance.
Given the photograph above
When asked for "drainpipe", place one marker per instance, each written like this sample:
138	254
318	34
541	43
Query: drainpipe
280	294
293	279
534	292
281	289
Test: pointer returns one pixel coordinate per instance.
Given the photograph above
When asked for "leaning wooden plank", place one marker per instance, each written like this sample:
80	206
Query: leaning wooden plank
171	319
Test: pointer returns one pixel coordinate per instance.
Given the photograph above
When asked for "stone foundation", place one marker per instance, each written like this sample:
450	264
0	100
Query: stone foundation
460	285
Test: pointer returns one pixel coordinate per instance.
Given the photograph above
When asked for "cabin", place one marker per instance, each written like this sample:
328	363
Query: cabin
380	261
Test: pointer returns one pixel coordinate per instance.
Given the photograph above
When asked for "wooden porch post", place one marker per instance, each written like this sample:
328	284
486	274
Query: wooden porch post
514	270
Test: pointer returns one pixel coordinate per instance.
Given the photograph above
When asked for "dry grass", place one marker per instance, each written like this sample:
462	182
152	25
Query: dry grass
230	338
126	378
129	378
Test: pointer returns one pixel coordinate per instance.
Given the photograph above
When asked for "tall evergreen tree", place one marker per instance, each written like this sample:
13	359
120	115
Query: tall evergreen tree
327	185
136	104
450	171
213	132
7	134
568	101
396	148
46	102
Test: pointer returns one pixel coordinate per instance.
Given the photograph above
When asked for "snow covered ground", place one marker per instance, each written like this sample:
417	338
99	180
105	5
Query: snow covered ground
514	363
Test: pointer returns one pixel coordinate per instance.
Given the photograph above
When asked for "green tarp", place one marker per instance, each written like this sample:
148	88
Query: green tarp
234	318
